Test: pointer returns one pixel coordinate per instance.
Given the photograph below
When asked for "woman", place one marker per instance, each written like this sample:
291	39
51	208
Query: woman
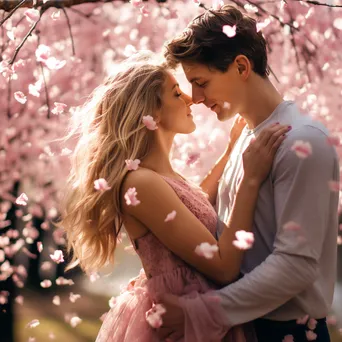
165	216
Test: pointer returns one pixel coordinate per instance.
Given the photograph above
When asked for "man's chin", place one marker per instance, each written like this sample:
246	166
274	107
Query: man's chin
224	116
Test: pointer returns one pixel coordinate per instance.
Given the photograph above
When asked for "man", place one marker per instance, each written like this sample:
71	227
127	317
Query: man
290	270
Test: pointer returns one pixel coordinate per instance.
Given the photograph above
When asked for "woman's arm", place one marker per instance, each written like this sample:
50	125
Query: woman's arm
183	234
210	182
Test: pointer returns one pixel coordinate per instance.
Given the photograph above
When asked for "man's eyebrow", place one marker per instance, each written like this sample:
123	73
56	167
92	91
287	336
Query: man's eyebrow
175	85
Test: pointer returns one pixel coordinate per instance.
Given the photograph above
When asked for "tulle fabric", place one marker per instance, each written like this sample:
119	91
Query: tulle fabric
126	321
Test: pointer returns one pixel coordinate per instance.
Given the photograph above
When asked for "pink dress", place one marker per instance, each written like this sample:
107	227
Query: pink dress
164	272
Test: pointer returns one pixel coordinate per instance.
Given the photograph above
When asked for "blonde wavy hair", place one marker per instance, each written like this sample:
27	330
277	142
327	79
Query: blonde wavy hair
111	131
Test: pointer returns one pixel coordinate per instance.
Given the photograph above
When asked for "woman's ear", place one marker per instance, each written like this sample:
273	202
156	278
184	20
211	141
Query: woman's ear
157	116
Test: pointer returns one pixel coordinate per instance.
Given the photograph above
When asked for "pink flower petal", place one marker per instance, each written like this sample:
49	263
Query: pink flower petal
229	31
338	23
153	316
57	257
73	297
39	246
19	300
292	226
132	164
101	184
93	277
144	11
310	335
43	53
217	4
302	149
206	250
288	338
262	25
149	122
334	186
22	199
171	216
74	321
34	323
192	158
136	3
56	300
45	283
59	108
334	140
20	97
56	15
64	281
32	15
33	90
244	240
112	302
131	197
312	324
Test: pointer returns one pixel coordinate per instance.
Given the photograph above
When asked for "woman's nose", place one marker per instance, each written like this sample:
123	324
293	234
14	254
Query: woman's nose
188	100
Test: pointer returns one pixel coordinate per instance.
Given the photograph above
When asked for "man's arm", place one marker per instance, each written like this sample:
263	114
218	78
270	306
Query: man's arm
301	195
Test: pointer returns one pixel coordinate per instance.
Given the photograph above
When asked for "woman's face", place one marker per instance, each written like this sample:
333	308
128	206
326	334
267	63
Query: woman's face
175	114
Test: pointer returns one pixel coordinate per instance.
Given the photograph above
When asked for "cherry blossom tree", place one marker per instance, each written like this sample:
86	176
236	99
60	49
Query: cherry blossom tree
53	53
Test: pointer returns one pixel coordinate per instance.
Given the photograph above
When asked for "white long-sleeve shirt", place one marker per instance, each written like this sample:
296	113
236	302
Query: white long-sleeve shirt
287	274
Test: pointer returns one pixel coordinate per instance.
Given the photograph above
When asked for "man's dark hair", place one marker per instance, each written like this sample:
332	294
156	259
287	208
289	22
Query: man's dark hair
204	42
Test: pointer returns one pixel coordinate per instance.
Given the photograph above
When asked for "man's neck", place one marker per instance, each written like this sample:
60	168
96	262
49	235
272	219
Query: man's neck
263	99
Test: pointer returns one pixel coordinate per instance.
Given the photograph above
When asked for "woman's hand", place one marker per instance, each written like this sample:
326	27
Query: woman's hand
259	155
235	132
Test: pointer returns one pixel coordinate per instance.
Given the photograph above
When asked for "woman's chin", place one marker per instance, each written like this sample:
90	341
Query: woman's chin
190	128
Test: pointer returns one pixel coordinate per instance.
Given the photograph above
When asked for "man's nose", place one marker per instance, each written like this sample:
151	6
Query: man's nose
197	95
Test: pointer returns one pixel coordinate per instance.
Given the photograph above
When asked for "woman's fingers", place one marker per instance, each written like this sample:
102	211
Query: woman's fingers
268	133
276	144
276	134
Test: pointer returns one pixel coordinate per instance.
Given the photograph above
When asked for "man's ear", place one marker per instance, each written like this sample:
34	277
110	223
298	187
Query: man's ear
243	66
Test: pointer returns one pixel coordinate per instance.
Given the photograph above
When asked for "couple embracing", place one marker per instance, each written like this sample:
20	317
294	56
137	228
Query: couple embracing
250	254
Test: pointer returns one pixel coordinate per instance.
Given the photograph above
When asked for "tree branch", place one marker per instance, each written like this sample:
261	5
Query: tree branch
47	99
9	5
84	15
317	3
25	38
9	91
69	26
13	10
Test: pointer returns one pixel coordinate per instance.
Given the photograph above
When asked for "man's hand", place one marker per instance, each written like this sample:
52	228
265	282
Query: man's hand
173	319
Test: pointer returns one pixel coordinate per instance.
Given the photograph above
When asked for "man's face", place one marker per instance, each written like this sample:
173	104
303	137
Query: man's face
222	92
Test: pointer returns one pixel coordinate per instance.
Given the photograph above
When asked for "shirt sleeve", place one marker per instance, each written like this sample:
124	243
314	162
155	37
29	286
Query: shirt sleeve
301	196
